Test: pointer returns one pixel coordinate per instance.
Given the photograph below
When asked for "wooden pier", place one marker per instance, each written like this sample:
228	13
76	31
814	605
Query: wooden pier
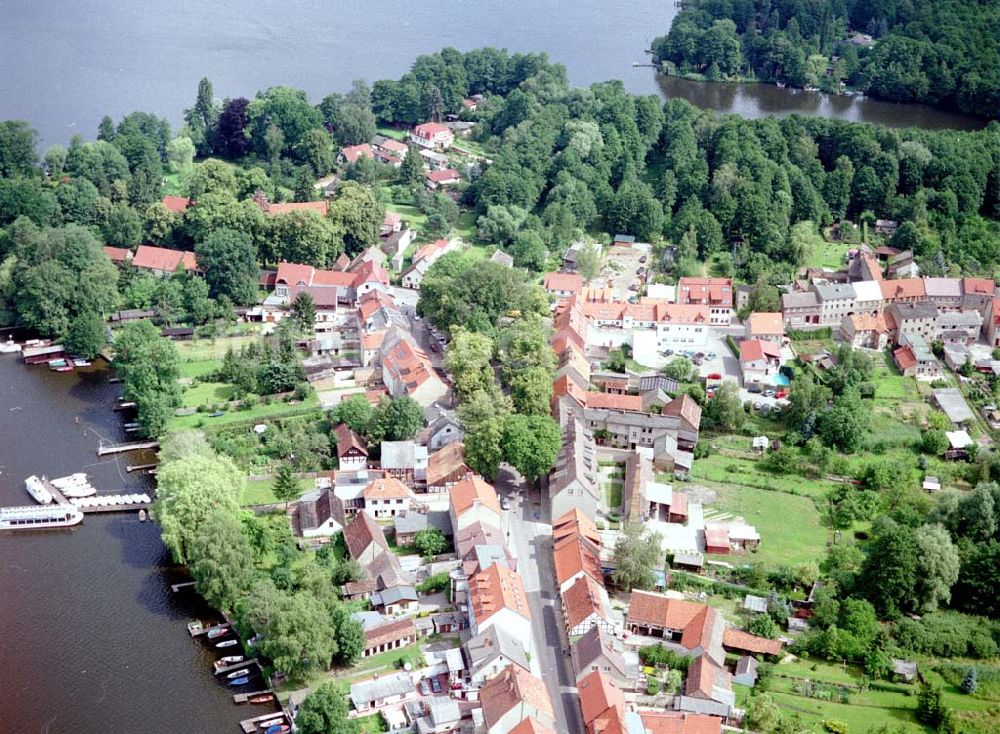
251	663
245	697
197	629
186	585
125	405
249	726
121	448
139	467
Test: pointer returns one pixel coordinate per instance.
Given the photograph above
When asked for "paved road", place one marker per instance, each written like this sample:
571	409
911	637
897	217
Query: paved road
531	541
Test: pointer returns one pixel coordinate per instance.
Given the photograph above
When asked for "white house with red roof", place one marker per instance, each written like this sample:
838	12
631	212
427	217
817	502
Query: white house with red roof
440	179
432	135
716	293
352	153
424	257
406	370
759	360
161	262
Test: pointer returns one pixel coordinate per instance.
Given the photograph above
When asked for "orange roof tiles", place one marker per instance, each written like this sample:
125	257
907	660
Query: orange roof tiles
745	642
470	491
494	589
563	282
646	608
867	322
514	687
348	441
361	533
682	313
573	555
684	407
531	726
611	401
566	386
386	488
318	207
766	324
598	693
429	129
903	288
670	722
574	523
582	599
408	364
703	676
904	358
978	286
160	258
444	462
117	254
712	291
752	350
176	204
352	153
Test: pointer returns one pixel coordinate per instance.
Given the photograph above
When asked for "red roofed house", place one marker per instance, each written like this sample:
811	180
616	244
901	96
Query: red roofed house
675	722
389	636
274	210
497	597
406	370
117	255
472	499
161	261
585	605
439	179
865	330
352	453
176	204
611	401
978	293
716	293
352	153
392	222
766	326
530	725
759	360
432	135
563	285
717	541
734	639
513	696
698	627
709	682
387	497
600	699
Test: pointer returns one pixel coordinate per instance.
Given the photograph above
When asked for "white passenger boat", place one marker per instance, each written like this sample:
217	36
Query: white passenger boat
37	490
31	517
9	346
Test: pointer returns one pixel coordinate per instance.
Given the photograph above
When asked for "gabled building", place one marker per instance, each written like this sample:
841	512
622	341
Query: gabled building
576	557
407	370
586	605
387	497
945	293
432	135
760	361
291	207
599	650
443	429
497	597
913	319
445	467
472	499
708	681
801	310
492	651
716	293
602	704
903	290
865	331
563	285
977	294
353	153
513	696
352	453
405	460
162	262
766	327
572	483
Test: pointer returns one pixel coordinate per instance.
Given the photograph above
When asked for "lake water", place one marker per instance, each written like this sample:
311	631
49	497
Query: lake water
65	65
91	636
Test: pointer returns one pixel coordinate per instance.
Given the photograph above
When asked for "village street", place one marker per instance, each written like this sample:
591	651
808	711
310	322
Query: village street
530	538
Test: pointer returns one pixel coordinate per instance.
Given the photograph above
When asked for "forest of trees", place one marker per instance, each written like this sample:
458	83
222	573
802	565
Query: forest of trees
941	52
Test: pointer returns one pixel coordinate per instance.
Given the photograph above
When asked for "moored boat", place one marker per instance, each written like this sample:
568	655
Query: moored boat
276	721
262	698
218	632
227	643
239	673
240	681
9	346
277	729
34	517
142	516
37	489
229	660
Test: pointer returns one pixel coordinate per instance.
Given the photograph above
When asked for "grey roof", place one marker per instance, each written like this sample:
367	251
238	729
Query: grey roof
918	310
953	404
369	620
413	522
499	256
371	690
943	287
487	555
803	299
755	603
398	454
442	709
488	645
689	559
595	644
394	595
747	665
835	291
960	320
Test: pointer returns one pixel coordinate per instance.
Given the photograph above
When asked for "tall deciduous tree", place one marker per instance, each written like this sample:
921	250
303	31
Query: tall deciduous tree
357	214
396	419
637	556
149	366
221	559
531	444
350	635
324	711
229	261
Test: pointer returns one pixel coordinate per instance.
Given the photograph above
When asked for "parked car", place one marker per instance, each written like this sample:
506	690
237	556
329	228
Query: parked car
711	355
781	394
425	687
714	376
667	352
700	355
436	685
634	287
769	393
642	259
754	388
640	270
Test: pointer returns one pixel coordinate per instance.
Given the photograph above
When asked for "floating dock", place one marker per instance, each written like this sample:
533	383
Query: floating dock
251	663
249	726
121	448
112	503
186	585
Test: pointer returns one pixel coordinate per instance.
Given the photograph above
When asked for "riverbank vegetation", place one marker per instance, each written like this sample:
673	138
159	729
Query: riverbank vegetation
940	53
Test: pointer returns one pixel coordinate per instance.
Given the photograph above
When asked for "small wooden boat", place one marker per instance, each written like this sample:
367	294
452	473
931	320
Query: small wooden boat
142	516
239	673
227	643
218	632
275	721
229	660
262	698
240	681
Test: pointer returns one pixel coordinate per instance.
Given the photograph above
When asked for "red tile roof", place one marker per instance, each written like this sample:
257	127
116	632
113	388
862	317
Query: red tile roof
648	609
867	322
574	555
583	598
752	350
178	204
406	363
386	488
117	254
431	249
703	676
712	291
352	153
978	286
514	687
598	693
361	533
745	642
428	130
445	175
494	589
903	288
390	632
470	491
348	441
571	282
531	726
612	401
670	722
274	210
159	258
684	407
566	386
445	462
904	358
574	524
716	538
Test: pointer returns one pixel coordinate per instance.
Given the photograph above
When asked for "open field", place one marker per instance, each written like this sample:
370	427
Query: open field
745	472
260	491
277	408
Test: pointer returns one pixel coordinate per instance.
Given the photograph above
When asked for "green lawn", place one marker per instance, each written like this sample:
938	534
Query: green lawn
829	255
790	526
730	470
259	491
613	494
207	393
259	412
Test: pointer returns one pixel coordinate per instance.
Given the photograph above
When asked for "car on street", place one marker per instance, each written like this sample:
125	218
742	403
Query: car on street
505	503
714	376
769	393
711	355
700	355
667	352
754	388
